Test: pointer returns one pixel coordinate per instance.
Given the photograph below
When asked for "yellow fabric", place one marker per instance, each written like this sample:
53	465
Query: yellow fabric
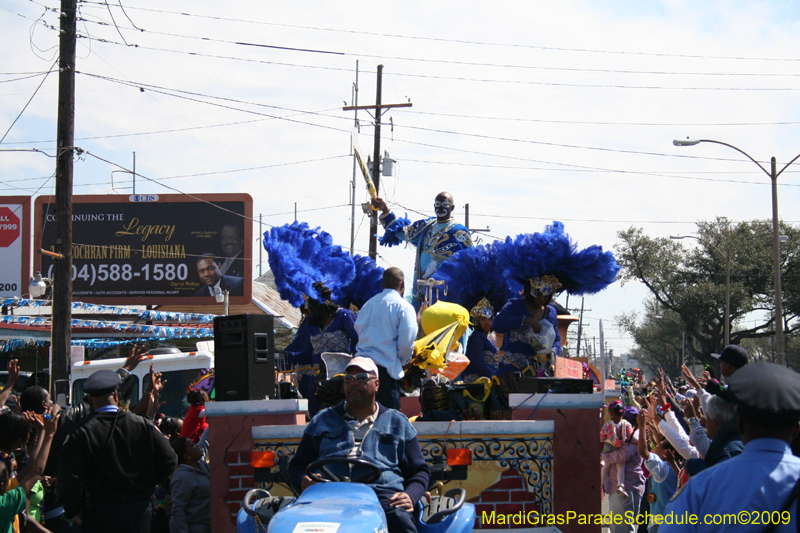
487	389
431	350
442	314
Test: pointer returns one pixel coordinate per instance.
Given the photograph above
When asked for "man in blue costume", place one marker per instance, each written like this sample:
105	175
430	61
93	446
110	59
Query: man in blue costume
436	239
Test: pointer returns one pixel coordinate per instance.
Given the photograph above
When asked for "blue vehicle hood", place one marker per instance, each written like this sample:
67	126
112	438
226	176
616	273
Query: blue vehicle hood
332	508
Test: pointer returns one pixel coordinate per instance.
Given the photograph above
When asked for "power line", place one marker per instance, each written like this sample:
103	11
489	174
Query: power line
606	123
135	134
461	41
465	63
592	85
163	90
224	41
615	171
140	85
26	77
253	168
184	97
451	78
570	165
545	143
29	101
81	151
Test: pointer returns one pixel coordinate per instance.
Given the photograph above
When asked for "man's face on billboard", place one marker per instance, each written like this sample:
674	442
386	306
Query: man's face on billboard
231	241
208	271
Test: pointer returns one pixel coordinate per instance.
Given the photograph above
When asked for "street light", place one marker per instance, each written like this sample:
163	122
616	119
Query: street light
727	255
222	298
776	253
38	286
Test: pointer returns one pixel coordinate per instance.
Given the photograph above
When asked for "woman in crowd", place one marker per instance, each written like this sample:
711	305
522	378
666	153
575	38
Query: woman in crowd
190	490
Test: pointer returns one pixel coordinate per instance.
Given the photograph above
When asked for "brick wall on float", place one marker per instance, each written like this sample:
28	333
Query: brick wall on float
576	449
507	497
241	479
230	444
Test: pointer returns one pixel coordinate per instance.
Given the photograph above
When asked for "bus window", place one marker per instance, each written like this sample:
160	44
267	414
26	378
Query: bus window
128	395
174	392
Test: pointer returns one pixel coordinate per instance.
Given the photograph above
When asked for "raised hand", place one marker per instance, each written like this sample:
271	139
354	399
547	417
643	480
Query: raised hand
36	422
641	418
689	377
13	372
135	357
380	203
51	415
154	405
156	383
688	408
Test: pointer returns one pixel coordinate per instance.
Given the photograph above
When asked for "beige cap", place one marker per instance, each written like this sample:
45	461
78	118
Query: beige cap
364	363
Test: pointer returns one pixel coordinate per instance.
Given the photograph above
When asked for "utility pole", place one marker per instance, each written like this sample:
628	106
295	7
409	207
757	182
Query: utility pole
376	156
134	172
354	101
260	241
376	168
580	330
61	339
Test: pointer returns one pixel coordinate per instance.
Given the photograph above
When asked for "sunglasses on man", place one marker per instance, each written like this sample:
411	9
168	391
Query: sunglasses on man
361	378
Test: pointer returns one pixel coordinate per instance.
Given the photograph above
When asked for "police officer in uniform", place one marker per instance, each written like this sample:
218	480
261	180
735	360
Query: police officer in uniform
761	485
111	463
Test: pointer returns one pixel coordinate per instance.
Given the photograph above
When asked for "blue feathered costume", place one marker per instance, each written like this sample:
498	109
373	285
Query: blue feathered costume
307	265
545	263
435	242
475	281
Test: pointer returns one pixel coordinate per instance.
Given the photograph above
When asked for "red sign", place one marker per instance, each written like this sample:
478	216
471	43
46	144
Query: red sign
9	227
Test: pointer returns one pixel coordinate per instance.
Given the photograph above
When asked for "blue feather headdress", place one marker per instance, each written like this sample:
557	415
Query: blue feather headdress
367	283
300	256
552	253
473	274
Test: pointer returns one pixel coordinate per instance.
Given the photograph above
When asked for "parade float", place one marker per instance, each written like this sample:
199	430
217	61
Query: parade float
524	459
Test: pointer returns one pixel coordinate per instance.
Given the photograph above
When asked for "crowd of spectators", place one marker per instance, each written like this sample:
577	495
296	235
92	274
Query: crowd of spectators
100	466
698	442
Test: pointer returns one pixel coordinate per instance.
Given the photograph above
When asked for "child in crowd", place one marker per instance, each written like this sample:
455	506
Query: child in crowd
614	434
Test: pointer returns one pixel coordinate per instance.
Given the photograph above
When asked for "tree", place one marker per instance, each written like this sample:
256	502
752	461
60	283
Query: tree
687	284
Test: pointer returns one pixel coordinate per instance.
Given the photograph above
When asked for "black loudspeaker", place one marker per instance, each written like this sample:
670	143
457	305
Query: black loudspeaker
244	357
555	385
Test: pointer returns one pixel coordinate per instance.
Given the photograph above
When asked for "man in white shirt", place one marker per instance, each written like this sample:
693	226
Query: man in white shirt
387	329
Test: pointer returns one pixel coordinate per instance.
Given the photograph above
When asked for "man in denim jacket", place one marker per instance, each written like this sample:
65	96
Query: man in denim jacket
361	428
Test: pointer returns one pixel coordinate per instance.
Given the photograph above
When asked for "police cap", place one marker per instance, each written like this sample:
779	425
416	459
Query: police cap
101	383
733	354
766	394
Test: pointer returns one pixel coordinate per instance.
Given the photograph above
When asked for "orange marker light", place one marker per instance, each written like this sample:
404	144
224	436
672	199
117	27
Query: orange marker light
259	459
459	456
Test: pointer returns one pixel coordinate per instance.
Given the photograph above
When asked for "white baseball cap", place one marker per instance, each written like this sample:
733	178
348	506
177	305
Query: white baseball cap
364	363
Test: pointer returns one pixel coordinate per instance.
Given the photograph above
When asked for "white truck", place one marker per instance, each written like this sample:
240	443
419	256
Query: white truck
179	369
